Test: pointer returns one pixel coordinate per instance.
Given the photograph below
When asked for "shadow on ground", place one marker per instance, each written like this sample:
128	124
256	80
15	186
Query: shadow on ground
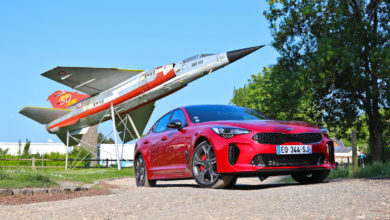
236	187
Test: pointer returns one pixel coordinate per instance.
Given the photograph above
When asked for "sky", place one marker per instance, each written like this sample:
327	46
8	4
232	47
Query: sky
37	36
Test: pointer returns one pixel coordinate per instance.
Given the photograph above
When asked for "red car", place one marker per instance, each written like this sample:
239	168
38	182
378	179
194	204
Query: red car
215	144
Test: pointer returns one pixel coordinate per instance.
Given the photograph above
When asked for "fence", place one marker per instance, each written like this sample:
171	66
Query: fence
40	163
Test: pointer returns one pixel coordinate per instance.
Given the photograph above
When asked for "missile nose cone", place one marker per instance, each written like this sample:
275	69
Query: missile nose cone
238	54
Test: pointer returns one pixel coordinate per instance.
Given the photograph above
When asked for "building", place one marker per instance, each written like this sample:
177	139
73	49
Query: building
343	154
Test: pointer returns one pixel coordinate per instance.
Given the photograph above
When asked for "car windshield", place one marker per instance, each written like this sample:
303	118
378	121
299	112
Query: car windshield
204	113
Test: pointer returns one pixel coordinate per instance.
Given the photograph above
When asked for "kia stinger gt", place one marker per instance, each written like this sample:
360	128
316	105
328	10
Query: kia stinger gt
216	144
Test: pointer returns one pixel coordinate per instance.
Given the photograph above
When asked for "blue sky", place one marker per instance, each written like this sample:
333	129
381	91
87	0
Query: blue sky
39	35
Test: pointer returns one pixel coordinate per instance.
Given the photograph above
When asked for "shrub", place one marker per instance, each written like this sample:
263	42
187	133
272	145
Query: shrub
340	173
77	153
375	169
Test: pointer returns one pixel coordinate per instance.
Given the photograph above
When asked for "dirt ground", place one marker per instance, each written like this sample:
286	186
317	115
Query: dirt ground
250	199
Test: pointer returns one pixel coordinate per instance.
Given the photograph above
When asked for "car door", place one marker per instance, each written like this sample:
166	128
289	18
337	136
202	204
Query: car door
178	144
156	143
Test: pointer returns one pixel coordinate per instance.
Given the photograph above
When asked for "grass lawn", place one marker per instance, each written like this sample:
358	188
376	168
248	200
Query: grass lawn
20	178
374	170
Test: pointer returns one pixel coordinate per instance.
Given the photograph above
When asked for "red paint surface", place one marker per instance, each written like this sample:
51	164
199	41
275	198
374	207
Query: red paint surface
165	159
160	78
63	99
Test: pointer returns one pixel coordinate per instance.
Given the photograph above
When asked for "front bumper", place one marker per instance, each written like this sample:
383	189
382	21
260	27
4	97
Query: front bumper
245	152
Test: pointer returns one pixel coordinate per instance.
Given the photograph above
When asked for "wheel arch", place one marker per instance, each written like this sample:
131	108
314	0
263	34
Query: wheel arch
199	140
202	138
143	151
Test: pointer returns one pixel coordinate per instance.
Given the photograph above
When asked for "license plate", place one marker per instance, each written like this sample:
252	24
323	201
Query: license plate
293	149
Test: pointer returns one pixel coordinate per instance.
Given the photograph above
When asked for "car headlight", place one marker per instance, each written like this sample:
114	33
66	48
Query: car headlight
228	132
324	131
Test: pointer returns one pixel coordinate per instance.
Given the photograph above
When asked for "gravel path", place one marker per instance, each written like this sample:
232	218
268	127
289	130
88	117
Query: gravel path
347	199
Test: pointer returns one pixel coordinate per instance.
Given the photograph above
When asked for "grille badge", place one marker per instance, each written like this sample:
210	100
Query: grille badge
290	129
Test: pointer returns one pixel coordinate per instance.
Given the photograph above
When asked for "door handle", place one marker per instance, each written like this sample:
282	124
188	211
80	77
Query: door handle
164	138
146	142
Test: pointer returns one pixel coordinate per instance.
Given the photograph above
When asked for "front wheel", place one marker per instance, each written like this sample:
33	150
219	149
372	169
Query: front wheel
204	168
314	177
141	177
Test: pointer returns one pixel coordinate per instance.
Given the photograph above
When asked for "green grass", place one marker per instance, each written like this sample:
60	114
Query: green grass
89	175
20	178
374	170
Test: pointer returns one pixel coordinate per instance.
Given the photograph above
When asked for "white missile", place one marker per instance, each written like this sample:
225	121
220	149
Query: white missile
131	93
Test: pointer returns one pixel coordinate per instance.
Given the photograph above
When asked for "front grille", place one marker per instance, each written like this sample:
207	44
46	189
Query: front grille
281	138
274	160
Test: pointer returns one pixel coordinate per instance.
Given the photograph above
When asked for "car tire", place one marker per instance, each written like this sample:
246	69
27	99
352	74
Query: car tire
204	168
314	177
141	174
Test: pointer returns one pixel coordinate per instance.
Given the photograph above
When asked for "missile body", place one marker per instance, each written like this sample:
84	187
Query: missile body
143	88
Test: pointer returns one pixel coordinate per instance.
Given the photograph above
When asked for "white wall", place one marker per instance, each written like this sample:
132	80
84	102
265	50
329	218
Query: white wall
107	151
40	148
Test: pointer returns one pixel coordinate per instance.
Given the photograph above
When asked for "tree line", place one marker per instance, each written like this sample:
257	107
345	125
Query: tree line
333	68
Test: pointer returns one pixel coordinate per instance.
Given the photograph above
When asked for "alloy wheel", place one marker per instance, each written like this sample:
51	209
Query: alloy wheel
140	171
204	165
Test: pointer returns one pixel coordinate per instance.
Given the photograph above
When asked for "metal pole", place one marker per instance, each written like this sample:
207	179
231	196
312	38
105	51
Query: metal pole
67	150
132	124
354	153
115	136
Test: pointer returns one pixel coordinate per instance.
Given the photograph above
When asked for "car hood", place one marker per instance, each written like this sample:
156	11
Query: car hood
268	125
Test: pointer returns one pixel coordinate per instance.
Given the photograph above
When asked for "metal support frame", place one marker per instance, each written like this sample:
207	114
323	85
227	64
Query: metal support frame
132	125
114	115
67	150
115	136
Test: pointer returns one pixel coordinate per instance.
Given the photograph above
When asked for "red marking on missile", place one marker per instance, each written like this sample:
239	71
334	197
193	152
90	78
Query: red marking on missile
160	78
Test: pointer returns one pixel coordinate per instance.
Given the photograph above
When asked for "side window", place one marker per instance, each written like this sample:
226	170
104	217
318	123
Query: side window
155	126
179	115
162	123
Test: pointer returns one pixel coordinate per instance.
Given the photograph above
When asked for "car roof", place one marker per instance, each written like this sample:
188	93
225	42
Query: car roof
207	105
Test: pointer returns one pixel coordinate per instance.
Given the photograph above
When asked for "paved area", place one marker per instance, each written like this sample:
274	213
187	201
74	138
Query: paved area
251	199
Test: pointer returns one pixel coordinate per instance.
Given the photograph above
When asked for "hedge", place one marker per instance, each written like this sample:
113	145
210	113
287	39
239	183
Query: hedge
53	155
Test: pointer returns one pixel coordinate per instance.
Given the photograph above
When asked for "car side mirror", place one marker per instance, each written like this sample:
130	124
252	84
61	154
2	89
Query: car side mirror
175	124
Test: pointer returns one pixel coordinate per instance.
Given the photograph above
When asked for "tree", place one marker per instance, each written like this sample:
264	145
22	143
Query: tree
278	96
104	140
20	148
4	152
338	52
26	149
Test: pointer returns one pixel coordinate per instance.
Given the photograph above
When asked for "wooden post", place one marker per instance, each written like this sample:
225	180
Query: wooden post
33	163
354	153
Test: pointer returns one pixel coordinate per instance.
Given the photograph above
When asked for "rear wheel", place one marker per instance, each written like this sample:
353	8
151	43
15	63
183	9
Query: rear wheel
141	177
314	177
204	168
